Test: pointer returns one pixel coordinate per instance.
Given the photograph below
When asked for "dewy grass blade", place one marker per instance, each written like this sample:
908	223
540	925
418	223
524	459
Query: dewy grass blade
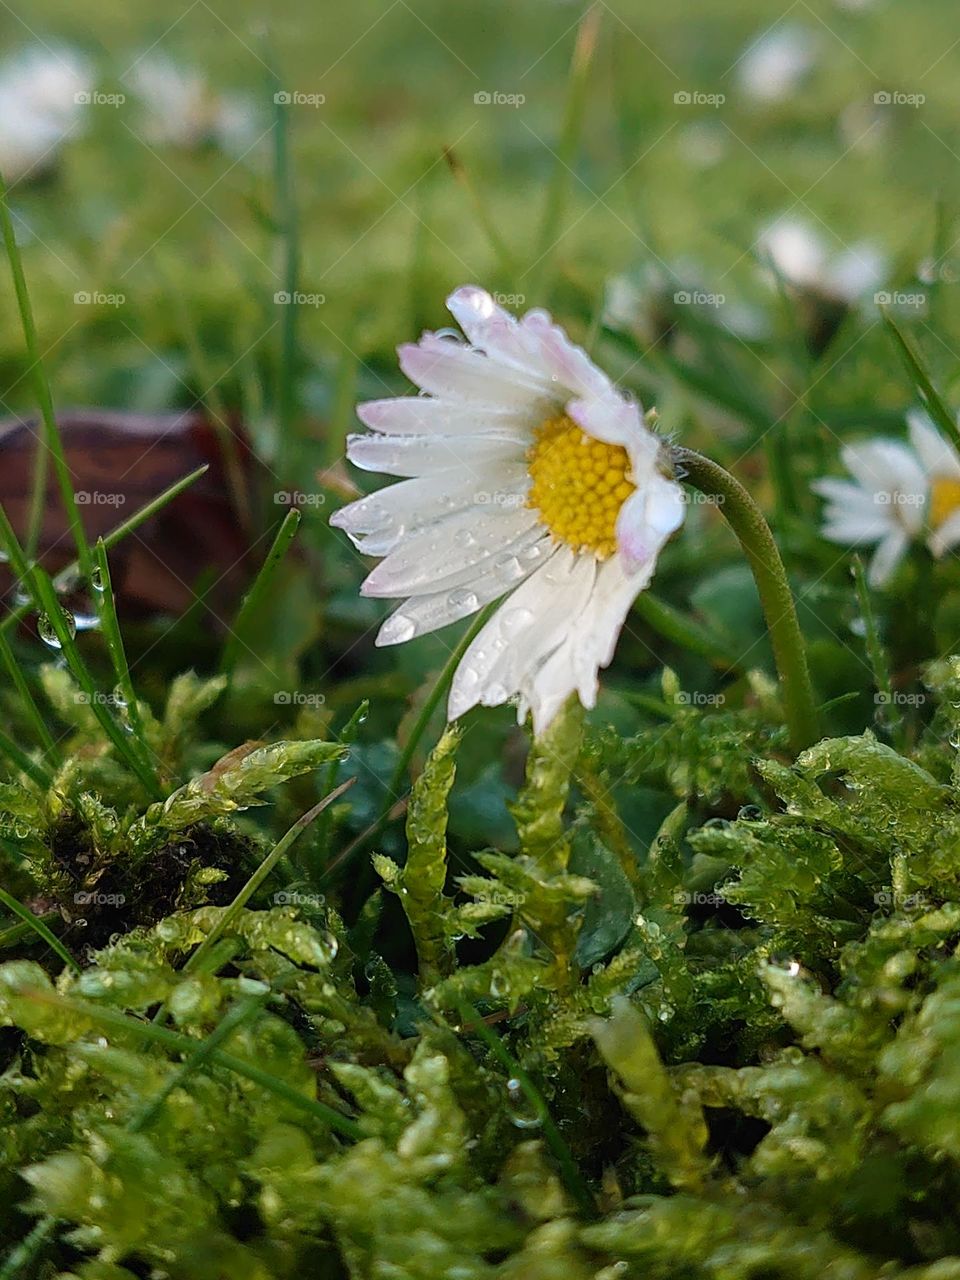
129	749
261	873
39	928
19	681
584	49
117	534
254	597
102	584
928	393
286	407
472	1022
51	442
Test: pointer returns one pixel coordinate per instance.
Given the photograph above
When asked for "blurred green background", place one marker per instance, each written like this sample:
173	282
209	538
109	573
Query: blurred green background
385	228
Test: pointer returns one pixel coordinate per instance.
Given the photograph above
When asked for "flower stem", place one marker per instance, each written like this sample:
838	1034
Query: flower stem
746	520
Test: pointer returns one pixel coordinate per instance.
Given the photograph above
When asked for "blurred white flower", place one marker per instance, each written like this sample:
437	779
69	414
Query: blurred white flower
900	494
181	109
941	466
42	94
531	477
775	65
883	506
801	256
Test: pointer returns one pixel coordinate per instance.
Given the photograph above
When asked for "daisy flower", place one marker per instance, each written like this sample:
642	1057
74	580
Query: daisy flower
900	494
883	506
800	255
41	95
941	465
182	110
529	476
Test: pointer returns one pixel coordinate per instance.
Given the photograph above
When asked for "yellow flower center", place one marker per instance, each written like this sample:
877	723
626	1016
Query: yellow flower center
944	499
579	485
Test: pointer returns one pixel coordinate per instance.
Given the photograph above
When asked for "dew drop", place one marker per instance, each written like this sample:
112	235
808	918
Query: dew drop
507	568
48	633
463	598
523	1114
464	538
750	813
515	620
398	629
96	579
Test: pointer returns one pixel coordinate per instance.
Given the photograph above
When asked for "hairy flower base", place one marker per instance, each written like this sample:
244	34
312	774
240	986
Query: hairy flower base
579	485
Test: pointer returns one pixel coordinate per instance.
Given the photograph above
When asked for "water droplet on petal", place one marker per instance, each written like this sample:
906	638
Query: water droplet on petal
463	598
515	620
398	629
464	538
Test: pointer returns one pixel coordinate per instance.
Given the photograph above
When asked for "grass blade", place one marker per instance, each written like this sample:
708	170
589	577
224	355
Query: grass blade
472	1022
929	395
128	748
254	597
51	442
110	539
114	640
179	1043
39	928
8	658
261	873
583	51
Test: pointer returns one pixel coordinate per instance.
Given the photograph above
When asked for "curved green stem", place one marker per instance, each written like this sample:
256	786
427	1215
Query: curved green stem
746	520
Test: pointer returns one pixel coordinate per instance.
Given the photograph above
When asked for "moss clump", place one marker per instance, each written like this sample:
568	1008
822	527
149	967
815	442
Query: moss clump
734	1057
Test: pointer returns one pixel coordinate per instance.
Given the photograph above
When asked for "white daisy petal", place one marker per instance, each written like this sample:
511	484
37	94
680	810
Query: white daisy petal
884	466
522	633
946	537
647	518
422	614
411	504
445	368
425	415
445	555
568	364
426	455
887	557
938	456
